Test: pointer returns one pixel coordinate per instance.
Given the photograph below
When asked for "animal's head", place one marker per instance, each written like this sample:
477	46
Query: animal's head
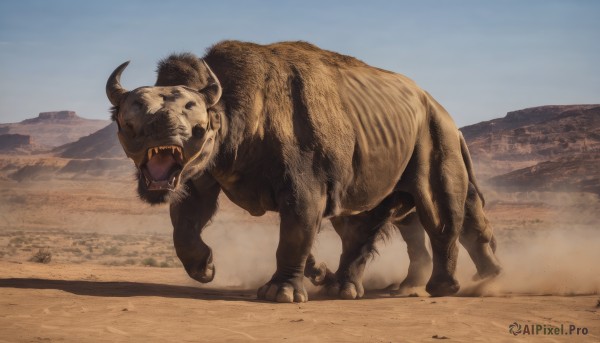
168	132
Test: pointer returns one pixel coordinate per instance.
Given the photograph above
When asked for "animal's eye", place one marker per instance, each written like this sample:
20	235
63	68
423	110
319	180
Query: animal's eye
129	129
189	105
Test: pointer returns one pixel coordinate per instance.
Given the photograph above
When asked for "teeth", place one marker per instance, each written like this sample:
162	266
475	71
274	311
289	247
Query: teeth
156	150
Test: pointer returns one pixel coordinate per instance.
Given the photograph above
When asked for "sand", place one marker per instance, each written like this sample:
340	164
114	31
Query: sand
87	303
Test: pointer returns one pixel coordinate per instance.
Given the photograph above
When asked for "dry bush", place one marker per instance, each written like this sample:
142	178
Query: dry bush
149	262
121	263
42	256
114	250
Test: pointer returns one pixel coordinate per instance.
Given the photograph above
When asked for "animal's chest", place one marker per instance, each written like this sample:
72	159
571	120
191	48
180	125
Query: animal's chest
248	191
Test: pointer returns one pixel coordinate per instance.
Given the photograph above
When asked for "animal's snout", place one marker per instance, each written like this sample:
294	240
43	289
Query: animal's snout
161	124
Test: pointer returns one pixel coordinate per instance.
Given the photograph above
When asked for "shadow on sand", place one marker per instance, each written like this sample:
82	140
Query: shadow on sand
129	289
140	289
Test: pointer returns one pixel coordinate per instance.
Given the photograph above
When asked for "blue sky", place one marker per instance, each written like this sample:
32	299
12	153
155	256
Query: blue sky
480	59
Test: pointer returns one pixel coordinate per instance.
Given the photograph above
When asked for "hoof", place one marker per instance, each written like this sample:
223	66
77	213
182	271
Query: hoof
392	287
442	288
203	275
283	292
346	290
489	273
405	290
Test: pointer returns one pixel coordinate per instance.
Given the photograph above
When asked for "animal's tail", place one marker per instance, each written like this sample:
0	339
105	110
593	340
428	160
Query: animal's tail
464	150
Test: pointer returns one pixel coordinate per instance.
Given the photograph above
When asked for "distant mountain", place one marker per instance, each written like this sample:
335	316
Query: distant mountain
579	173
540	148
51	129
100	144
539	133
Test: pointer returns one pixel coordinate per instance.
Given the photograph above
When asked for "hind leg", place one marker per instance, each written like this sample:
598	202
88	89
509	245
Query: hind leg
477	236
419	268
357	244
443	231
359	233
440	189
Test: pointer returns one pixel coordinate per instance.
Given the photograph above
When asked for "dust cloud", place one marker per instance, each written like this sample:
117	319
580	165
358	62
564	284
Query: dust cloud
558	260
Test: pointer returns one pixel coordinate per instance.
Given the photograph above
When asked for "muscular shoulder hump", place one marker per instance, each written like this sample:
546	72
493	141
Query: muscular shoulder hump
181	69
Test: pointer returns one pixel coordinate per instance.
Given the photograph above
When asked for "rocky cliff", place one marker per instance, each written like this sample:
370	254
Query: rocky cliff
540	148
52	129
64	116
13	141
100	144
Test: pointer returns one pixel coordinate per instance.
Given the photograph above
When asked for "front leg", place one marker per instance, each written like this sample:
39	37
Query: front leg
300	220
189	216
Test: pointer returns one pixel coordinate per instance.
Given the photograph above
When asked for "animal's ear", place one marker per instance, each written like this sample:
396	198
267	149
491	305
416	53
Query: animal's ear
212	92
115	116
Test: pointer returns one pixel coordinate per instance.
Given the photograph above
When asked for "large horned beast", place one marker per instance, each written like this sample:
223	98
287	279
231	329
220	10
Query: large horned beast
310	134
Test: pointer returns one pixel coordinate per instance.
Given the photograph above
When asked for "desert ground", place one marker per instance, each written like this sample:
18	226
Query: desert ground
113	276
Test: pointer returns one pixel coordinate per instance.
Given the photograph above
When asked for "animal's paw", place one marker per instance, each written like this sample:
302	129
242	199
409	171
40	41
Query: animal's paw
344	290
416	278
283	291
201	270
488	274
442	286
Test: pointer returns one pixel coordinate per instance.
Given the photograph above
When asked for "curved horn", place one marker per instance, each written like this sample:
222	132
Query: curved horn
114	90
213	90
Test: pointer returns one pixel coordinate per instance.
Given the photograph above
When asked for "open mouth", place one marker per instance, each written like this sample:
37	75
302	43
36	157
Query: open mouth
163	167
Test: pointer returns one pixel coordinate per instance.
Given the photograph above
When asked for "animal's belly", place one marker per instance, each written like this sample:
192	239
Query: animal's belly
374	178
255	199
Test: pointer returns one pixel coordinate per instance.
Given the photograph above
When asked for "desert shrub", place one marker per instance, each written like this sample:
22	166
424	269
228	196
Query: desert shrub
75	251
149	262
17	241
42	256
127	262
112	251
123	238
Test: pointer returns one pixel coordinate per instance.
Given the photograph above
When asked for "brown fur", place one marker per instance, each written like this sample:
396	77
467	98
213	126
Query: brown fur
313	134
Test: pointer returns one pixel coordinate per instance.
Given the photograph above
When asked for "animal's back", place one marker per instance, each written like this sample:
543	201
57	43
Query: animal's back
362	120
